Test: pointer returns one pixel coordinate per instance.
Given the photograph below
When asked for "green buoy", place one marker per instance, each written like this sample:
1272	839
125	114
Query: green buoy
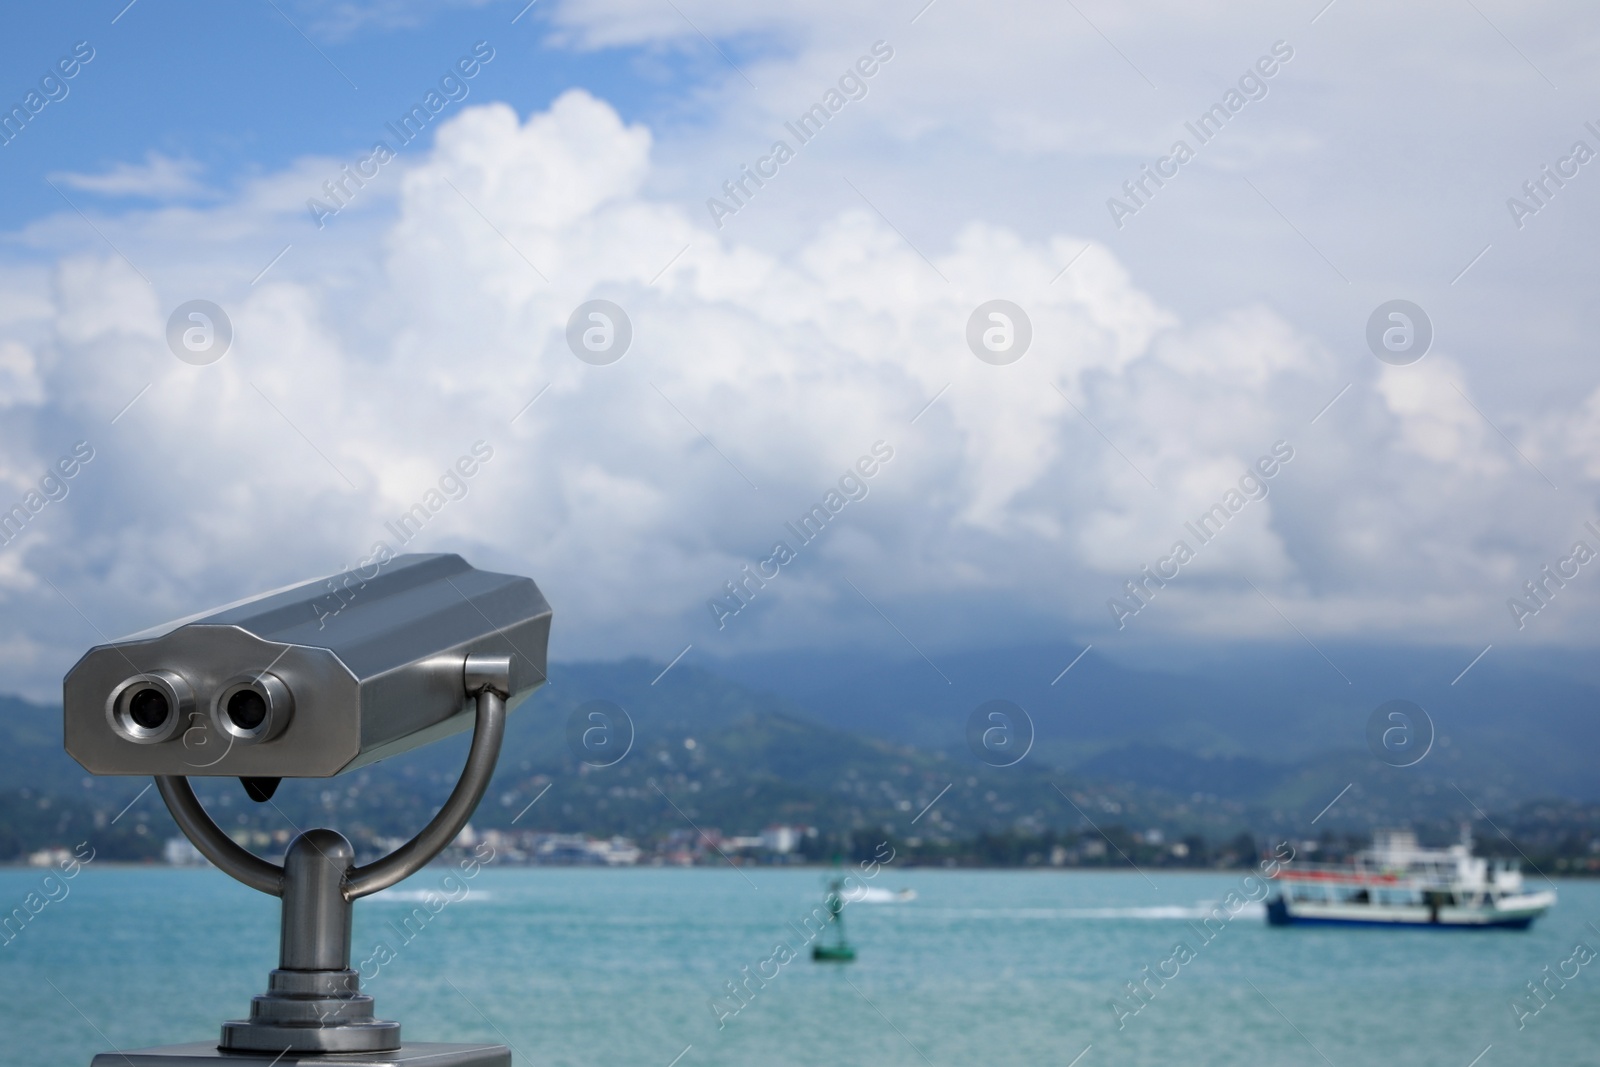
839	950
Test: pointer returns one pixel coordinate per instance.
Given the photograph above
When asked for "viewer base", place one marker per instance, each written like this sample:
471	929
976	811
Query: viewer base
206	1054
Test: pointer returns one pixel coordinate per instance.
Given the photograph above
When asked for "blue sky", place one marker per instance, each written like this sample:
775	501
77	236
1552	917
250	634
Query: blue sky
237	88
1184	331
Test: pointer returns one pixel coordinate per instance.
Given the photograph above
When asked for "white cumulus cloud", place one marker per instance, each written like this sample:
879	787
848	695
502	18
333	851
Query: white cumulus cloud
362	367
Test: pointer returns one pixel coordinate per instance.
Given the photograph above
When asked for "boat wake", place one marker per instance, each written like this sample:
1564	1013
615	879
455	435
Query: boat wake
1156	913
421	896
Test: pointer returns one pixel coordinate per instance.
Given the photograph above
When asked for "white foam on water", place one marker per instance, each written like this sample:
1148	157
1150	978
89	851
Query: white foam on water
870	894
1160	912
419	896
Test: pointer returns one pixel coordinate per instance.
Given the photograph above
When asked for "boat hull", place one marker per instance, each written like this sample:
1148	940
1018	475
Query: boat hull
1302	913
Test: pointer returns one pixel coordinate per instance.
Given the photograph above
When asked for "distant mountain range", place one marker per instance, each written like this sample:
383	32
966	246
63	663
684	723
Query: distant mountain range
1238	722
1259	740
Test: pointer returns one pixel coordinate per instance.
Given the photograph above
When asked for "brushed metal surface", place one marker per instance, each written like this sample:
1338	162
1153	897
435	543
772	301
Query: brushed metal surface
373	663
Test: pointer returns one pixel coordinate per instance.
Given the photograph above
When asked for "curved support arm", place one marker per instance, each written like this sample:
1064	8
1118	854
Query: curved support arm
230	857
488	679
415	854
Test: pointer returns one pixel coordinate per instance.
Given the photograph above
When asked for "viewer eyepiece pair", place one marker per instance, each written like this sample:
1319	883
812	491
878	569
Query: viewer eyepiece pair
152	708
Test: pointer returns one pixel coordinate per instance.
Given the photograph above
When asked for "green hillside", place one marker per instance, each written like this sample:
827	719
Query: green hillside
709	755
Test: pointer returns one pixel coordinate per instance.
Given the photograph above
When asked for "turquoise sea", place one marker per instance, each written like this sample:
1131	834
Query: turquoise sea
612	967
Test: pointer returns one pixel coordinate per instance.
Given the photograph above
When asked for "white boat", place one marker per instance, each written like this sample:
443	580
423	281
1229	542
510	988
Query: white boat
1397	882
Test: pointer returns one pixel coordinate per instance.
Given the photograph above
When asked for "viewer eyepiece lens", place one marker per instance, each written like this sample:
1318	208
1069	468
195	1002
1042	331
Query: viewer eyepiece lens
149	709
252	708
247	709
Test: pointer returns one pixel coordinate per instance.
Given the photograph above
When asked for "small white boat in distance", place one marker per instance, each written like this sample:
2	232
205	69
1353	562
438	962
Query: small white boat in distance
1396	882
871	894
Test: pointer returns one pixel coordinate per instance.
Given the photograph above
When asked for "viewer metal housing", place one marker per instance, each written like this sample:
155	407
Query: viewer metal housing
309	681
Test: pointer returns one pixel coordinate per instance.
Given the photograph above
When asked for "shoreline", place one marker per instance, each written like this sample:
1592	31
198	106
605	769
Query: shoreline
125	865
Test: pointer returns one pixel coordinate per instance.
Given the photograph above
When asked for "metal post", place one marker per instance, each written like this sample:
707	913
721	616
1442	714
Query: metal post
313	1001
316	915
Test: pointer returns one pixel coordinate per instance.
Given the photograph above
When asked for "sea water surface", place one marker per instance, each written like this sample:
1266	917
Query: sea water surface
998	968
